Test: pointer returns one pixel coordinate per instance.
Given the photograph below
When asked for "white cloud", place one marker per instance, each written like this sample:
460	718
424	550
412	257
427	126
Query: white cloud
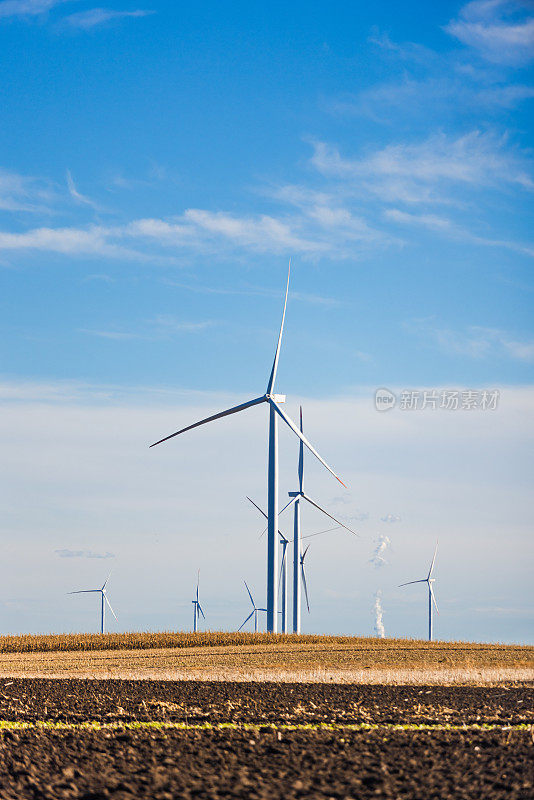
320	230
27	8
164	326
66	553
412	172
502	31
23	193
99	16
476	341
75	194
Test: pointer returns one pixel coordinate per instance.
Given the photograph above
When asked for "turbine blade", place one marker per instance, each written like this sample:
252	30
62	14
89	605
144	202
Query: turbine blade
262	512
423	580
233	410
109	604
282	566
200	609
301	455
85	591
247	619
305	496
289	422
305	585
107	579
303	556
433	597
319	533
288	504
270	385
433	560
249	594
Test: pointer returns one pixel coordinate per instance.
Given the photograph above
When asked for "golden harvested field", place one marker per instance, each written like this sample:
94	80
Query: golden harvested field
230	656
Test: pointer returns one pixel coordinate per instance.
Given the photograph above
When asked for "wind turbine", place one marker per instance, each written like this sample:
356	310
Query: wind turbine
104	600
296	497
254	612
429	580
273	400
283	569
197	608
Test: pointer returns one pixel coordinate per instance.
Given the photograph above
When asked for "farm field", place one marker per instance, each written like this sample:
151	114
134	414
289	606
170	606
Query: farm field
163	739
264	717
263	657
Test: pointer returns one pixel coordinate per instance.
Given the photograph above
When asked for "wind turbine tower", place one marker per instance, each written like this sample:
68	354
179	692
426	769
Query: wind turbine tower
429	580
197	608
103	601
253	613
296	497
283	569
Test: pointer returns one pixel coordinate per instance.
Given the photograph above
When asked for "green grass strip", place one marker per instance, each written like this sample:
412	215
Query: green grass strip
7	725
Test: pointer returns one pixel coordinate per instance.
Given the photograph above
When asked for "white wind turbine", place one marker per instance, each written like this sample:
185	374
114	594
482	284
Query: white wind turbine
273	400
296	497
283	569
104	600
197	608
253	613
429	580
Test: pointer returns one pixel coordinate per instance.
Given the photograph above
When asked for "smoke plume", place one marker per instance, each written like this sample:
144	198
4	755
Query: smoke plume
378	557
379	623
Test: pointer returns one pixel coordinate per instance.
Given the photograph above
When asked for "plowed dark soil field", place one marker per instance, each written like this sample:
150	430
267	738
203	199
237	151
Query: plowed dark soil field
92	739
75	701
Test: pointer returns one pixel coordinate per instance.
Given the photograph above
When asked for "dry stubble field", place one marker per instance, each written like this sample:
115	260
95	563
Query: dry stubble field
343	718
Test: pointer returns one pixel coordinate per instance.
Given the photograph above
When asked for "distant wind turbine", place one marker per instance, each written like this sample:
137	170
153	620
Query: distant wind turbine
296	497
104	600
429	580
283	569
253	613
197	608
273	400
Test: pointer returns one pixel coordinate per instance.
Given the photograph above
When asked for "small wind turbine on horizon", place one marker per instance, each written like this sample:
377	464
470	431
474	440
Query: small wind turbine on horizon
253	613
283	569
273	401
429	580
296	497
104	600
197	608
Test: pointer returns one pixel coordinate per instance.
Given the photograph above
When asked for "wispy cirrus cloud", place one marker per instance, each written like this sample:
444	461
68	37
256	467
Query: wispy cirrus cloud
319	230
27	8
75	194
86	20
475	341
65	552
501	31
164	326
452	230
414	171
23	192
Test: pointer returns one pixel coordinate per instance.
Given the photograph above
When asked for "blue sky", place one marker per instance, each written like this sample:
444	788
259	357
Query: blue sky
159	165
